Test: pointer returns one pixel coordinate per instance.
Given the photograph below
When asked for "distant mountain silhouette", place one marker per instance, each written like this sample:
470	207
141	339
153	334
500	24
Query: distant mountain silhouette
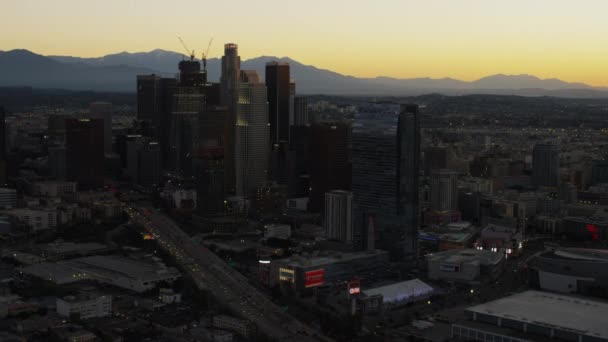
117	72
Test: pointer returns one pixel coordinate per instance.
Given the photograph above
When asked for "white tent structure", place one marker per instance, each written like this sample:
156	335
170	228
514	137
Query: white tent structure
402	293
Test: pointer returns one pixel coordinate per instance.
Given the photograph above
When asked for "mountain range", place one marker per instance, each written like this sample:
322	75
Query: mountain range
117	72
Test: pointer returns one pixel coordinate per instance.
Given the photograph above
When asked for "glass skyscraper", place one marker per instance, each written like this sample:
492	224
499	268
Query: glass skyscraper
385	168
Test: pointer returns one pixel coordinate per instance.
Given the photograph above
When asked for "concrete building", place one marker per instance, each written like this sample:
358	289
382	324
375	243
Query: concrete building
338	215
130	274
279	231
8	198
84	306
53	188
457	235
35	219
570	270
444	190
103	110
535	316
301	116
545	165
465	266
305	272
144	162
85	152
252	135
240	326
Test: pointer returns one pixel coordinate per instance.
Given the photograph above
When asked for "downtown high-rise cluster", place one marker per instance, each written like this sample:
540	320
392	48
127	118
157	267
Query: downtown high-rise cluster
251	141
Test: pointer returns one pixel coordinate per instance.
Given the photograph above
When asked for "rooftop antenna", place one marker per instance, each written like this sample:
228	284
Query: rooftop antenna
188	51
206	54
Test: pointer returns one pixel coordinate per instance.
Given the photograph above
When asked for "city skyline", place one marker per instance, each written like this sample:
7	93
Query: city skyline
434	39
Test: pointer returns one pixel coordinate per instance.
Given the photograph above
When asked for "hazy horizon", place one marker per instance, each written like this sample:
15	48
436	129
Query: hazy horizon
464	40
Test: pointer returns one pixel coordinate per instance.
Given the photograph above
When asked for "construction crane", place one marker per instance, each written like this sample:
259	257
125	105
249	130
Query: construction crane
206	54
188	51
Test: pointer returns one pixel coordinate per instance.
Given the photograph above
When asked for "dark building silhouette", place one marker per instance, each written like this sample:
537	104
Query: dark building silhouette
545	165
143	164
330	167
435	158
229	84
279	93
300	145
209	179
385	162
103	110
599	172
154	103
85	152
3	152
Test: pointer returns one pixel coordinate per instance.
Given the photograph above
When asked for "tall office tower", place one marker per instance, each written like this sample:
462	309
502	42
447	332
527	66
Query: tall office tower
301	111
58	162
154	104
331	166
209	179
3	149
148	91
545	164
385	162
189	99
292	106
229	93
252	134
56	128
85	152
143	162
338	215
300	145
435	158
103	110
444	190
279	90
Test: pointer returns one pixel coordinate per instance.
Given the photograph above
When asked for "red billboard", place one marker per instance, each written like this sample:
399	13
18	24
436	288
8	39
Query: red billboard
314	278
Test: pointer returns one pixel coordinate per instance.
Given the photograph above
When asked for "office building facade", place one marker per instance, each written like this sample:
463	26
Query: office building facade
385	159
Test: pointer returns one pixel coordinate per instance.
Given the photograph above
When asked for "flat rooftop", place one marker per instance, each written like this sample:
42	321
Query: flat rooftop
330	258
401	291
484	257
579	315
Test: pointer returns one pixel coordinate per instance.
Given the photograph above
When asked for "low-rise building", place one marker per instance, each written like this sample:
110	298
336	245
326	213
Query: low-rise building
85	306
8	198
53	188
402	293
304	272
570	270
240	326
466	265
130	274
35	219
535	316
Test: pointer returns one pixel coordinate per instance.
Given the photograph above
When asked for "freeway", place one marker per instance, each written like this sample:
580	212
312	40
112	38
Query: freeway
212	274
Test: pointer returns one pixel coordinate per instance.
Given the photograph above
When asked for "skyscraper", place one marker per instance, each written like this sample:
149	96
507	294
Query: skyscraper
545	164
85	152
385	162
338	215
143	162
229	92
301	117
331	166
154	105
3	163
103	110
444	190
252	133
279	94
